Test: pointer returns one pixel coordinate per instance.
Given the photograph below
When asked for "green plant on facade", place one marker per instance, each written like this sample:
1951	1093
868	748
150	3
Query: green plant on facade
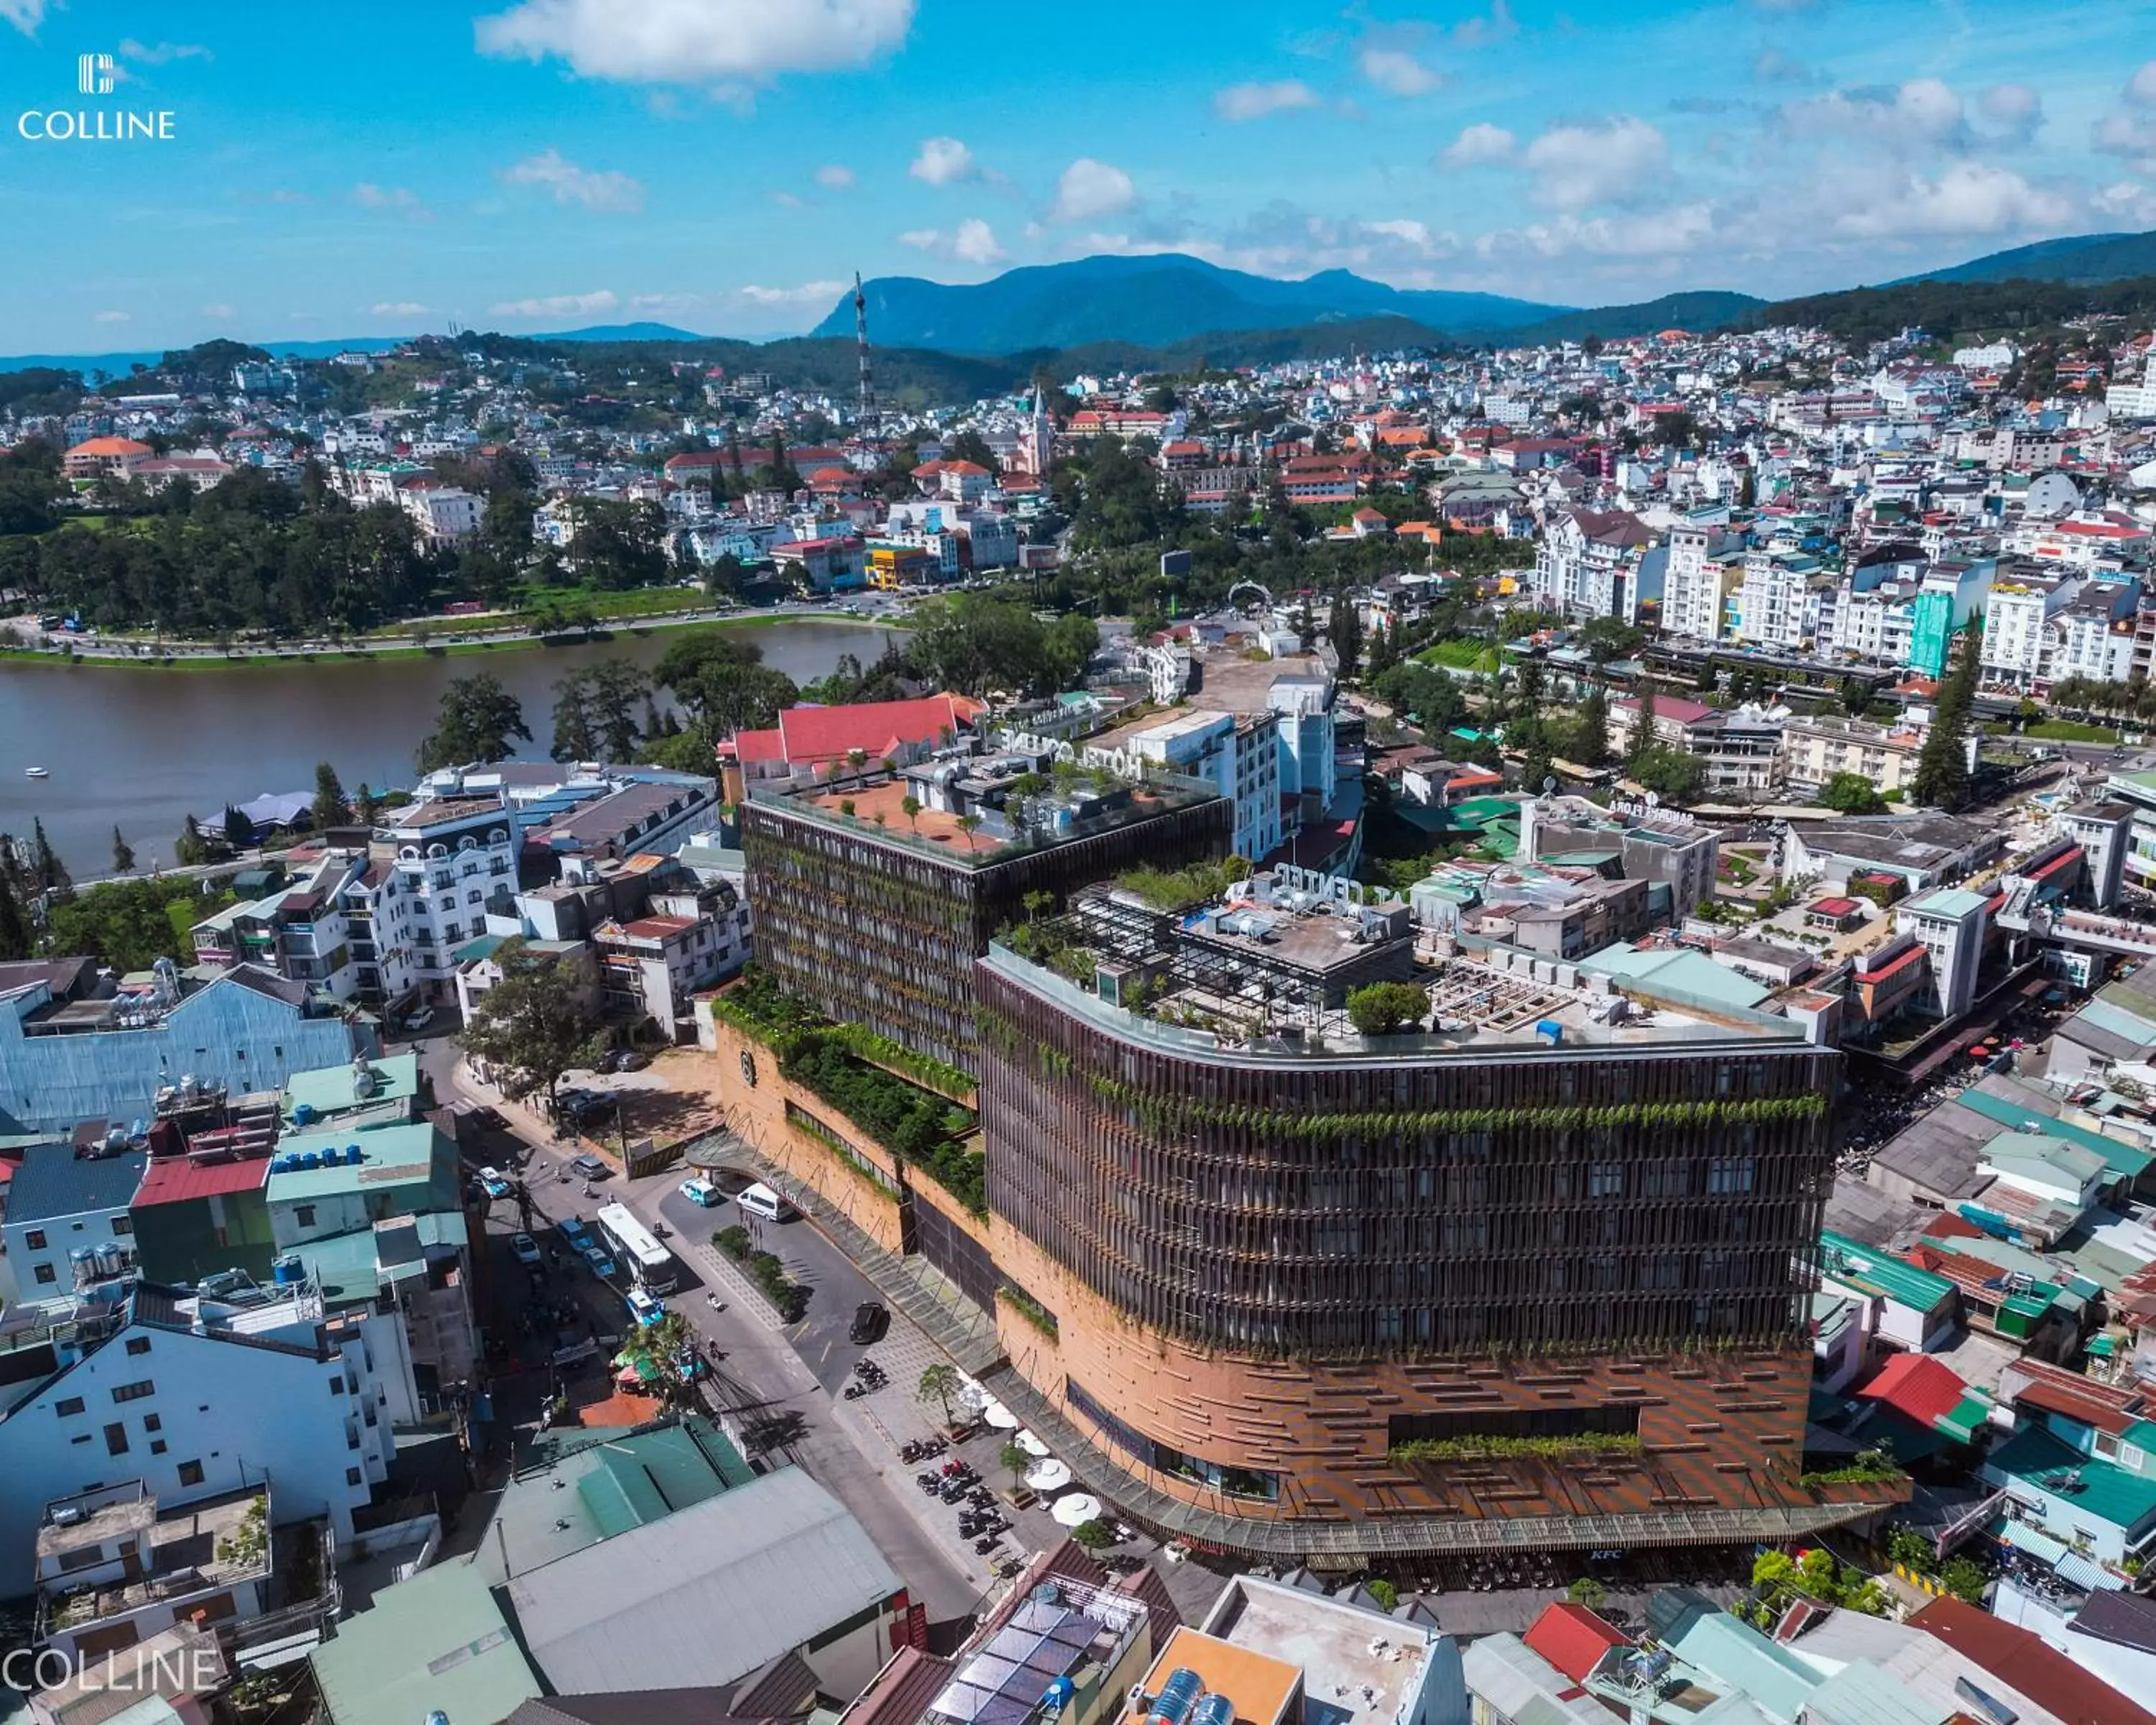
1872	1467
1494	1447
248	1543
1030	1309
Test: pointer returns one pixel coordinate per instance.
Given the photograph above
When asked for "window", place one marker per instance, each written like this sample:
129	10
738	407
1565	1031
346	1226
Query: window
115	1439
157	1446
153	1422
336	1386
123	1224
304	1214
352	1475
138	1344
45	1273
34	1241
190	1473
133	1392
67	1405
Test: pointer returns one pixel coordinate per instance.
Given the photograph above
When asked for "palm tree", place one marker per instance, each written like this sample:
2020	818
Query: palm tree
937	1384
657	1350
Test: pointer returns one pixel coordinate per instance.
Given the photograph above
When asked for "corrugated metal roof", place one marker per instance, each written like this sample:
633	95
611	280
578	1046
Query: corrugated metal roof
706	1596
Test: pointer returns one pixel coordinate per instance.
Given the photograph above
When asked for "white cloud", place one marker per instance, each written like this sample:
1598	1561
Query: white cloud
159	54
218	310
972	241
834	175
396	308
809	293
725	43
1090	190
2128	201
943	161
112	317
1645	233
1397	72
2015	112
1480	143
1415	235
1239	102
25	15
605	191
1480	32
2129	130
665	302
1965	197
975	242
1603	162
369	196
1772	66
1921	114
558	305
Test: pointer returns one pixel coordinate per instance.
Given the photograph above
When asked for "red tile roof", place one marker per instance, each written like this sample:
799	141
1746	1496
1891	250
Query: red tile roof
2020	1660
806	735
175	1179
1916	1386
1572	1639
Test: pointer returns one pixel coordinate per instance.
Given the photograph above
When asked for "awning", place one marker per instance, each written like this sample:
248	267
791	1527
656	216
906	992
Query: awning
2040	1546
2078	1571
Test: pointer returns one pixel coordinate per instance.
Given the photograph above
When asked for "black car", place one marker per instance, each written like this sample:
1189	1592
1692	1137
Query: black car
870	1321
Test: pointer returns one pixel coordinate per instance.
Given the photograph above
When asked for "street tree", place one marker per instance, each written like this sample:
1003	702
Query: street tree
538	1021
938	1384
123	854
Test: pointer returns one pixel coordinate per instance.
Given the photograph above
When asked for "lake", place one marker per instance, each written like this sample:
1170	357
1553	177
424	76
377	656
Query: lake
142	749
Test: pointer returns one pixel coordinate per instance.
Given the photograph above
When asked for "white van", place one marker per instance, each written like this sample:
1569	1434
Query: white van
760	1200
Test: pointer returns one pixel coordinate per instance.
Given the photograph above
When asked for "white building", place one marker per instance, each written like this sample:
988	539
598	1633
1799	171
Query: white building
196	1395
2135	401
1692	594
1776	606
1592	564
1950	924
444	513
67	1226
2017	614
1239	752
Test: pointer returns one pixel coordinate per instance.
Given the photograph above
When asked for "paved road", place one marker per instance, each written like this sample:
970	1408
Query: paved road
760	1377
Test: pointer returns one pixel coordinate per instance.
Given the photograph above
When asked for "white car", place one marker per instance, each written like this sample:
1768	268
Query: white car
493	1183
527	1250
420	1019
644	1308
701	1192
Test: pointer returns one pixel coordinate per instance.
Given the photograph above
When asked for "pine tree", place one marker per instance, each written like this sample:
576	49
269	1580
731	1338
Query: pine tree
364	805
190	848
123	854
330	808
50	873
15	933
1942	776
1643	735
1344	629
1593	747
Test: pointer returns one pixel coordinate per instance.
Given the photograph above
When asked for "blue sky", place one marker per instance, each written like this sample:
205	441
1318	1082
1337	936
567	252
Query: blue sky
342	168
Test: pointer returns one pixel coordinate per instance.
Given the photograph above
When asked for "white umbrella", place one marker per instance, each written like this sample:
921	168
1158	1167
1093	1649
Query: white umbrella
999	1416
1074	1509
1048	1476
1031	1444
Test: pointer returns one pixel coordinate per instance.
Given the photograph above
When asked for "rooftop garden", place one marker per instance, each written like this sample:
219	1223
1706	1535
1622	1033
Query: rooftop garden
907	1102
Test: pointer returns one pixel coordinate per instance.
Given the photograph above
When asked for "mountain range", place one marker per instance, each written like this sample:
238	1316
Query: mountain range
1172	312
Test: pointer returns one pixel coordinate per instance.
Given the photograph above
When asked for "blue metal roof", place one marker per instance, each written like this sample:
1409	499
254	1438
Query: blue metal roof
54	1181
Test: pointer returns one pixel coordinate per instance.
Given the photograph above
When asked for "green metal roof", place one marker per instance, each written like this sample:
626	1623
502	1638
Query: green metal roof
330	1091
2043	1151
438	1643
1949	901
1859	1266
2092	1485
1687	972
392	1157
2124	1158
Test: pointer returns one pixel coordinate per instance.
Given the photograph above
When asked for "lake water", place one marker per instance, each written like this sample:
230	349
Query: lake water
142	749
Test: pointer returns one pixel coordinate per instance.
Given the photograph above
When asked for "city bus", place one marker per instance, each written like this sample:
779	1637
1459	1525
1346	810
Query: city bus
649	1262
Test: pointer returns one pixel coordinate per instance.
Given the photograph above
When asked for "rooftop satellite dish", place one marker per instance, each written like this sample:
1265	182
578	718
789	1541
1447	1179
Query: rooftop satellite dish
1549	783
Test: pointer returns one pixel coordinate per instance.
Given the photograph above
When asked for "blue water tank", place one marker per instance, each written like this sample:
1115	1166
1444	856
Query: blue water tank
302	1113
1550	1031
1216	1709
1177	1696
353	1155
287	1268
311	1159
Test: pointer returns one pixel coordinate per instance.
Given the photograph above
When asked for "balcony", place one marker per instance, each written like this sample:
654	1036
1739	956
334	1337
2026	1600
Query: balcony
218	1546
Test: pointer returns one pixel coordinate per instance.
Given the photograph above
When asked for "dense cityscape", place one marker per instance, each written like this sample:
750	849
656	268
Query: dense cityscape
1128	993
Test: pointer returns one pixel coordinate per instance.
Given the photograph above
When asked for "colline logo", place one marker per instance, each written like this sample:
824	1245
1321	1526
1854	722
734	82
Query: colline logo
94	74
